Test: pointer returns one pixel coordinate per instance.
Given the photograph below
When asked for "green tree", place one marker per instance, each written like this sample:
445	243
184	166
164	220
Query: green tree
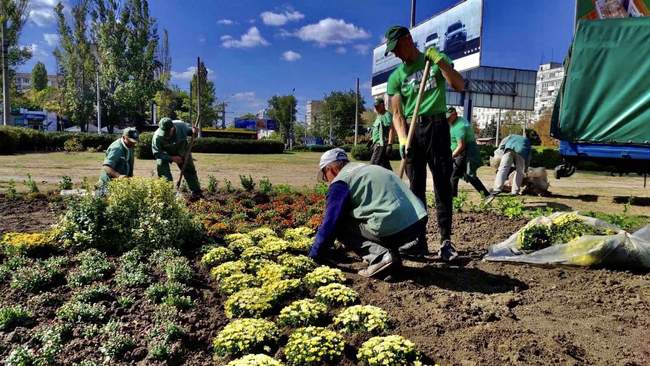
248	116
339	112
39	76
170	102
282	108
206	99
13	15
77	64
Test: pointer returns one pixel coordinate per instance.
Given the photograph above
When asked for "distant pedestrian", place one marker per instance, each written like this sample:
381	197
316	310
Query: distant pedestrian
382	136
464	152
169	144
431	140
119	159
516	149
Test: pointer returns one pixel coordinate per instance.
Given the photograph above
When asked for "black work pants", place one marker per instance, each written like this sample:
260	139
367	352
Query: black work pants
380	156
431	146
460	171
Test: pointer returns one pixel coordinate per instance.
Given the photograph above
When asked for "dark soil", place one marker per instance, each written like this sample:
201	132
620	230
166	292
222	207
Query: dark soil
470	313
28	215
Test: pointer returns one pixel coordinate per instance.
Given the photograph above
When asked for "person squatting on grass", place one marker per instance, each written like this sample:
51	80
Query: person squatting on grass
370	211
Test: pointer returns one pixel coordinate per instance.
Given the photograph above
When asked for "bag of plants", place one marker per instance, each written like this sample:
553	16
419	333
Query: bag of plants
573	239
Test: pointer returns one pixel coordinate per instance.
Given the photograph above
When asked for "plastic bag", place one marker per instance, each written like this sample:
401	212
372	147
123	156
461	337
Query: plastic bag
495	160
619	250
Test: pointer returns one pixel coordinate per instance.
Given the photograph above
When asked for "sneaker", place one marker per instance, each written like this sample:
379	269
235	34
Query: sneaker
414	250
447	251
380	269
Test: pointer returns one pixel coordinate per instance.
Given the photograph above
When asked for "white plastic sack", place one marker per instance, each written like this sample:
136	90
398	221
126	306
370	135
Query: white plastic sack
495	160
621	250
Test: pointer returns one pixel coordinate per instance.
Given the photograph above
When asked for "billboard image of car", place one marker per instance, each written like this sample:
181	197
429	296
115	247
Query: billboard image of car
455	31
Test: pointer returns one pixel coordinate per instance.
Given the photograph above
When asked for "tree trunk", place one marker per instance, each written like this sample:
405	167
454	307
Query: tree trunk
6	104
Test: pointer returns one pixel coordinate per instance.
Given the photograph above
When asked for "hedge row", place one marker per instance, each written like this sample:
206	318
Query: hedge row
216	145
19	139
320	148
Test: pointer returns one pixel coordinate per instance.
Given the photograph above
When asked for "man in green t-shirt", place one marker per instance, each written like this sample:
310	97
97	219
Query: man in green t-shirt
169	144
430	143
382	135
119	159
464	152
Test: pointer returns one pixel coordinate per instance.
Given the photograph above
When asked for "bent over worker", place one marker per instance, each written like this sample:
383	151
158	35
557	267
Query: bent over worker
169	144
516	149
430	143
464	152
370	211
382	136
119	159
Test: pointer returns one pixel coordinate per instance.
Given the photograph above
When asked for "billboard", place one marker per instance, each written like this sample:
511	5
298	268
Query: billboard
456	31
603	9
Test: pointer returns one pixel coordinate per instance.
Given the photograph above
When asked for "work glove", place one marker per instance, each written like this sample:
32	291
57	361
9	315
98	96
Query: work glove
402	147
433	54
389	150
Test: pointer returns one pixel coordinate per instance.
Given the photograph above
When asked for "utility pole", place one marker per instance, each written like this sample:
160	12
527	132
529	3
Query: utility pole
356	114
6	105
199	72
412	13
99	105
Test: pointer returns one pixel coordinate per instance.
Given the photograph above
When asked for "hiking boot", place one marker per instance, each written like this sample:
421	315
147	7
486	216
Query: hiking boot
381	269
447	251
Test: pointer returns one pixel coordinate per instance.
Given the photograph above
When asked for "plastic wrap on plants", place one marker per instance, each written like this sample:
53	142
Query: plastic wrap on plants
616	248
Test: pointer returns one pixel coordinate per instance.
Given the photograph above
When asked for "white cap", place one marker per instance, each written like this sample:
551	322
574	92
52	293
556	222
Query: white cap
329	157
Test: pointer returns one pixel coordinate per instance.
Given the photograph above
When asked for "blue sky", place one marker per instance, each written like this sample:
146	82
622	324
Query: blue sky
256	49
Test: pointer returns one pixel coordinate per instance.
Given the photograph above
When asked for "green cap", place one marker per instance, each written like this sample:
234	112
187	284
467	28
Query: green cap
450	111
379	101
165	124
132	134
393	34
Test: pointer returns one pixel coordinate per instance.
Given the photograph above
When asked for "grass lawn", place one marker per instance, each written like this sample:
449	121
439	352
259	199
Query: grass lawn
583	191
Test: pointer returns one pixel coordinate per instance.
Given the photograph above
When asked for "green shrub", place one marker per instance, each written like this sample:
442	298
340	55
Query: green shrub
227	269
265	186
10	265
279	291
213	184
296	265
545	157
132	272
255	360
13	316
75	311
160	292
143	210
486	151
314	346
248	303
361	152
125	301
21	356
245	336
116	342
303	313
93	266
39	276
52	339
31	184
336	294
179	270
271	272
389	350
215	145
239	242
92	294
65	183
11	192
362	318
73	145
322	276
247	183
19	139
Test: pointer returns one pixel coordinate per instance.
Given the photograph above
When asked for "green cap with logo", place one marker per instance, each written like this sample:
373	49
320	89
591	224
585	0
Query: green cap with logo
131	134
165	124
393	34
379	101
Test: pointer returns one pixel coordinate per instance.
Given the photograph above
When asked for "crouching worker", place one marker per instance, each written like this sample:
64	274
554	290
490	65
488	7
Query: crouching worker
119	159
370	211
169	144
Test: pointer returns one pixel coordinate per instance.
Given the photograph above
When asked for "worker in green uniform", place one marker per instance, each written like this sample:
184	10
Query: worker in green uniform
382	136
431	140
169	144
119	159
464	152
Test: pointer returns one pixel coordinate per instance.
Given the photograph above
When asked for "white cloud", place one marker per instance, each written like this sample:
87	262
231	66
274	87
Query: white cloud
189	73
331	31
244	96
252	38
291	56
283	33
225	22
366	85
52	39
362	49
43	16
341	50
202	39
277	19
38	53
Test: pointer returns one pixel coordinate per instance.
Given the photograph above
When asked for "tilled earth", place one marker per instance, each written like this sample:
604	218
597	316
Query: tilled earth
471	313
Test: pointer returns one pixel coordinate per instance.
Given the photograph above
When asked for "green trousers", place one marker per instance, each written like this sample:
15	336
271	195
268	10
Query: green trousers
163	170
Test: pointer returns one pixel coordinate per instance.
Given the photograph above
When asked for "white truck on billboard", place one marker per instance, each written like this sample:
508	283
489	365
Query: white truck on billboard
456	31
